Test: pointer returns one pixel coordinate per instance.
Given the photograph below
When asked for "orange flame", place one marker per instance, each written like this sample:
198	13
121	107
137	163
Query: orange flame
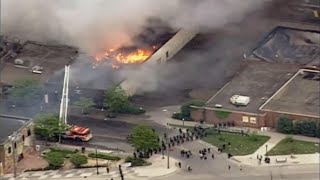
135	57
138	56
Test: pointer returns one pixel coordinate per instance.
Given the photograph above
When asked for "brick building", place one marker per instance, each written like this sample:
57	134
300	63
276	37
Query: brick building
275	90
23	142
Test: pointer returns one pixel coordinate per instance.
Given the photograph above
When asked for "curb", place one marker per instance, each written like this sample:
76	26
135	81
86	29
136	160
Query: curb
235	160
164	175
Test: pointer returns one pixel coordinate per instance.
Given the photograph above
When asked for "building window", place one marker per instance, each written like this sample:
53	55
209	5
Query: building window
9	150
22	137
167	54
253	120
15	145
29	132
245	119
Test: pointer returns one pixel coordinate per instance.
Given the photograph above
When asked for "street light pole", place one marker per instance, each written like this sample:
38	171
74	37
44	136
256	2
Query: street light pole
168	149
183	122
97	160
266	150
162	150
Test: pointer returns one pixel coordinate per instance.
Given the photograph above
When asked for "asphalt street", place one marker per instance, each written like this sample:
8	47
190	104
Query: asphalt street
112	134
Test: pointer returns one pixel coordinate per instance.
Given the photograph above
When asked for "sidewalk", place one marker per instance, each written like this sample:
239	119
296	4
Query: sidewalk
156	169
275	138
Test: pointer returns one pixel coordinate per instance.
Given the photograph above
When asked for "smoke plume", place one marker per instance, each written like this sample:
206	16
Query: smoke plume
95	24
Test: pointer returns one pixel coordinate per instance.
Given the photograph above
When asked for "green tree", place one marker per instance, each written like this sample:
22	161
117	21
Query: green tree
144	138
77	160
48	126
85	103
25	90
186	109
117	100
285	125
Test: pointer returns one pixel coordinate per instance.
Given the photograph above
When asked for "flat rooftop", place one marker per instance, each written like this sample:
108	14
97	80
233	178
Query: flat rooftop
9	125
51	58
258	80
299	96
289	45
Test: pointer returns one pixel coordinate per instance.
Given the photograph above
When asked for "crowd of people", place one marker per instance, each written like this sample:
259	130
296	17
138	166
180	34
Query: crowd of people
183	137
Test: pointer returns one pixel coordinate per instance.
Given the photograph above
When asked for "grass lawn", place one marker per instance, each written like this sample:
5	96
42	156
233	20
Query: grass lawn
239	145
64	152
290	146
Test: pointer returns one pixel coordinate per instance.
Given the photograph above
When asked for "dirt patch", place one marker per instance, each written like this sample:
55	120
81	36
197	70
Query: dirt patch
31	160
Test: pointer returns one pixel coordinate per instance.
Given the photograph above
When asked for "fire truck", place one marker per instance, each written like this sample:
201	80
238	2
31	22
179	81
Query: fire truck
77	133
73	132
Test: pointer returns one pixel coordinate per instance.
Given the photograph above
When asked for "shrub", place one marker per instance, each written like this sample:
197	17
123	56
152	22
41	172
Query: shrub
136	161
134	110
318	130
177	116
77	160
55	160
307	128
285	125
186	109
104	156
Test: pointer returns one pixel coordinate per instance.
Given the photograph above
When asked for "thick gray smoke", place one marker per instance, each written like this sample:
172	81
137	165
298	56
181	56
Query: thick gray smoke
94	24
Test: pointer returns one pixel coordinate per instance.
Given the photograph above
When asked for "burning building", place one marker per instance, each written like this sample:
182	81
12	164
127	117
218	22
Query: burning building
91	75
162	55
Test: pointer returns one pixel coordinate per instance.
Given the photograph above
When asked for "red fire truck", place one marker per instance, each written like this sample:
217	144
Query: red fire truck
77	133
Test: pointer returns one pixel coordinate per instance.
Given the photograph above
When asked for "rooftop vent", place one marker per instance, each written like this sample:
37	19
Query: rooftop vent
239	100
18	62
37	69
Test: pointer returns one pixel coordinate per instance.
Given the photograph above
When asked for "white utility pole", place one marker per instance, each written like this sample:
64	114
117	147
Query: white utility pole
65	97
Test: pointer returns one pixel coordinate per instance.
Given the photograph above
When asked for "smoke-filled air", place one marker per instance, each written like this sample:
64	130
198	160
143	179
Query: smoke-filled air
92	25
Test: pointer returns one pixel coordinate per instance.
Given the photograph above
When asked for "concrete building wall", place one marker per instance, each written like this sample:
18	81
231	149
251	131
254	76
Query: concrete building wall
24	141
165	53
